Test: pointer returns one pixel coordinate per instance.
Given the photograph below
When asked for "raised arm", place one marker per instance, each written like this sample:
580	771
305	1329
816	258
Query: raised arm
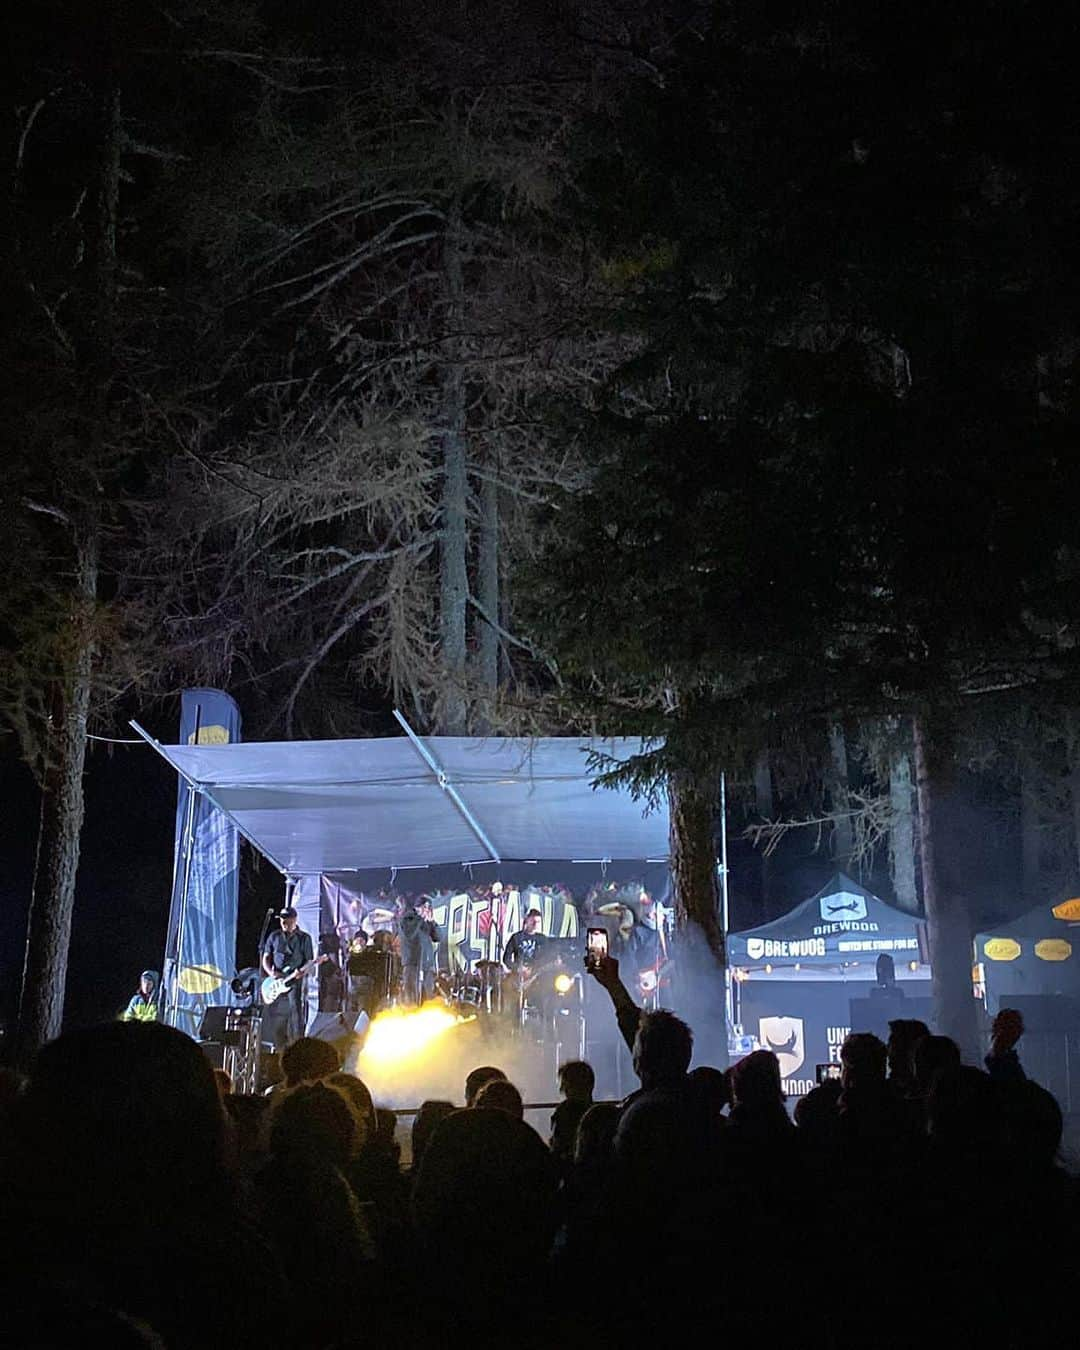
627	1012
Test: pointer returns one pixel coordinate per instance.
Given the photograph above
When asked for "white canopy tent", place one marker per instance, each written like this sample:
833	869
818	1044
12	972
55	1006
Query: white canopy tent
313	807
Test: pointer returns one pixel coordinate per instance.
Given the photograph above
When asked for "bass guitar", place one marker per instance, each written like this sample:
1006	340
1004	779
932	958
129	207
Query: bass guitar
274	986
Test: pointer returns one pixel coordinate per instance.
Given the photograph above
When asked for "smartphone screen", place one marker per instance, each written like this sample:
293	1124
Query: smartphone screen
596	946
827	1071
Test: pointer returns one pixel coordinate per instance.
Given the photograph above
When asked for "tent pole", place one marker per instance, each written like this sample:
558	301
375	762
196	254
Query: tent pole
729	1003
189	850
448	787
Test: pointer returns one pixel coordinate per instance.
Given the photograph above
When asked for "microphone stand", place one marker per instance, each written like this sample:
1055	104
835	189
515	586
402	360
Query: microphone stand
255	1032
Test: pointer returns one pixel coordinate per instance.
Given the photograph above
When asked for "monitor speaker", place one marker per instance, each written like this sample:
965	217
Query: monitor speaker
214	1052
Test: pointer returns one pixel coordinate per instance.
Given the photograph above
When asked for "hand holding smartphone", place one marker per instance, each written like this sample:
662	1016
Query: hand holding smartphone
596	947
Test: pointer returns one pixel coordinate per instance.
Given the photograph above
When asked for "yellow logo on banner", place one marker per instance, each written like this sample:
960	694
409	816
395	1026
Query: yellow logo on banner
1053	949
200	979
1002	949
1068	909
214	735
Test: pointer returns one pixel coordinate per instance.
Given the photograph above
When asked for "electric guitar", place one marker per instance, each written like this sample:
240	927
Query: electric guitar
652	977
274	986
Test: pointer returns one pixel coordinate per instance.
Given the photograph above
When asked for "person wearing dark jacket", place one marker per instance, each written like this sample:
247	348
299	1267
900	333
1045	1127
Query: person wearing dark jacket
419	945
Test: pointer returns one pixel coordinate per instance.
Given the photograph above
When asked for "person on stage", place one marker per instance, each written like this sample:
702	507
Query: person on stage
419	948
374	973
526	947
143	1006
284	953
647	953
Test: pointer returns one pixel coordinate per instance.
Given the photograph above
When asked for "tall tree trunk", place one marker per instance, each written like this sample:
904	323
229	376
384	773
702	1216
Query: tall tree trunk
702	953
453	562
946	913
1074	802
487	586
52	900
842	839
1072	733
902	833
763	800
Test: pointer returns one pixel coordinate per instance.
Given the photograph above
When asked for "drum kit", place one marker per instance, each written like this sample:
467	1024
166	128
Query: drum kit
484	988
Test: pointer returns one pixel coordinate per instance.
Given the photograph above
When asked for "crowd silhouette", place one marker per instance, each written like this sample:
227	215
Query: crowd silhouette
916	1199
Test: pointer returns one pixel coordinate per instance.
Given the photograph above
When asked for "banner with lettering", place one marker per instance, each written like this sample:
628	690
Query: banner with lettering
476	910
200	950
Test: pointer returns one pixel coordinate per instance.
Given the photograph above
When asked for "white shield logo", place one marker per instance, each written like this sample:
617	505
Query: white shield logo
842	905
755	948
784	1037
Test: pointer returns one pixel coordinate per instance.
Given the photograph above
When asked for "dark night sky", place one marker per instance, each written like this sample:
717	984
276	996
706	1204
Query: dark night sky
125	874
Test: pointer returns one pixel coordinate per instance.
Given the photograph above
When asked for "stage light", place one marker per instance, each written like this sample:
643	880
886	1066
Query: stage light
768	970
563	982
399	1035
798	966
913	965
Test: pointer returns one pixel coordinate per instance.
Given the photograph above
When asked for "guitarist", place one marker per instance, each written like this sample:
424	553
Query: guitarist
526	947
283	953
525	956
648	953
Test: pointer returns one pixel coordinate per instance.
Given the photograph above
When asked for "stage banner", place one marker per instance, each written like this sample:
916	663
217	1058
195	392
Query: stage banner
475	921
476	915
200	952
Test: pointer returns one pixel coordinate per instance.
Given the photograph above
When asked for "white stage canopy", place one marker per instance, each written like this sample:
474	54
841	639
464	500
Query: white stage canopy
333	806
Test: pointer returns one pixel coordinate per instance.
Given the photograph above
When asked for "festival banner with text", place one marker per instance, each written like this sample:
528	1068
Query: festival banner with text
200	952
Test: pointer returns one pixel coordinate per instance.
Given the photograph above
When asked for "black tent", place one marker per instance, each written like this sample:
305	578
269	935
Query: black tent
806	979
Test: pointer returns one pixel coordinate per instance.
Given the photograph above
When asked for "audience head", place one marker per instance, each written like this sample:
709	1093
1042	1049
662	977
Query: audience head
755	1081
904	1035
816	1113
308	1060
357	1095
1036	1122
576	1081
476	1080
426	1122
712	1088
931	1056
596	1135
250	1118
862	1057
499	1095
963	1111
128	1108
663	1047
314	1122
